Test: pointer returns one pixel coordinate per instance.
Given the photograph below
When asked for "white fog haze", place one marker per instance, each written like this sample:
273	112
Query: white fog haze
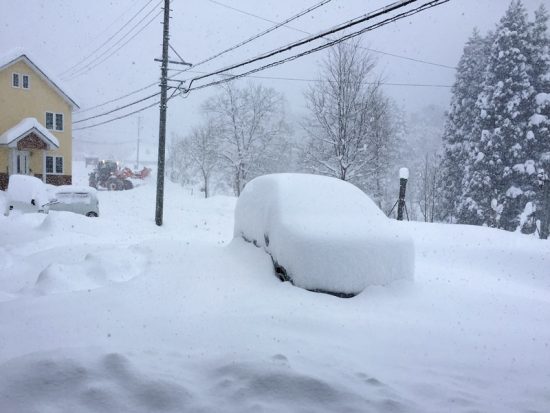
262	206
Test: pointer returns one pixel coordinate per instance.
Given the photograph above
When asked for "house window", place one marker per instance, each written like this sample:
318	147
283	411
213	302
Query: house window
15	80
58	118
59	121
49	120
49	164
58	164
54	164
26	83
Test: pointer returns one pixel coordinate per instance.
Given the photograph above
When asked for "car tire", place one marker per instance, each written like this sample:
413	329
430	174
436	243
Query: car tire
128	184
112	184
92	214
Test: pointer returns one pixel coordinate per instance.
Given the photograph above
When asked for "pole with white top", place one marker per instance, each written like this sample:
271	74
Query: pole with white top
403	178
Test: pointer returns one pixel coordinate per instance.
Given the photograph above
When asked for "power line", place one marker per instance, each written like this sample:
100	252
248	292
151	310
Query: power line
118	117
118	98
228	78
343	26
128	114
263	33
77	140
297	79
106	41
119	108
309	33
96	63
350	23
250	39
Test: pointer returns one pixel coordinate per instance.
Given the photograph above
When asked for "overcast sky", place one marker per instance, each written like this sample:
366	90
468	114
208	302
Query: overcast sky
60	33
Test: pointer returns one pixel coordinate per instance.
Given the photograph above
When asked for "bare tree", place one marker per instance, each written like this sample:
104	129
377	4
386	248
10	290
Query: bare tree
339	105
353	129
428	190
202	146
250	123
179	162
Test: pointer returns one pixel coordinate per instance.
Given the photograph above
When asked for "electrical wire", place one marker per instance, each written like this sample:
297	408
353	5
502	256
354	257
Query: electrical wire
309	33
269	30
70	69
93	64
119	108
297	79
118	117
350	23
229	77
84	141
236	46
128	114
117	99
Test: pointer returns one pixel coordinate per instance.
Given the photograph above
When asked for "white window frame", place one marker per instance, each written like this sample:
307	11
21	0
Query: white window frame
54	165
46	120
18	80
23	76
62	122
54	123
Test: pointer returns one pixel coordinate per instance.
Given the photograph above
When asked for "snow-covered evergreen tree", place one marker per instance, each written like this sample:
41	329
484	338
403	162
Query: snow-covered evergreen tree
459	136
495	190
539	142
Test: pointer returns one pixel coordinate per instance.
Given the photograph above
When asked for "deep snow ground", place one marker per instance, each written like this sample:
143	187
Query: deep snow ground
116	314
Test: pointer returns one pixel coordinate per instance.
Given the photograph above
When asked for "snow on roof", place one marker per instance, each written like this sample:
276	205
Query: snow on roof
23	128
18	53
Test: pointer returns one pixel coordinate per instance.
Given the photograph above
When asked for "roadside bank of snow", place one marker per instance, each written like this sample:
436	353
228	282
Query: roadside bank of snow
139	318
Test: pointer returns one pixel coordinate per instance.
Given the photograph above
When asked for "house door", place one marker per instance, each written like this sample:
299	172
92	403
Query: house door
20	162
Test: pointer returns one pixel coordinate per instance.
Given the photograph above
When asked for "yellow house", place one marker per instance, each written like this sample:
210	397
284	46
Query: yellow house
35	123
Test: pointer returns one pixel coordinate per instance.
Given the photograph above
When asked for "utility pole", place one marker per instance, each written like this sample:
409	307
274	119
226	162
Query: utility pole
162	122
138	136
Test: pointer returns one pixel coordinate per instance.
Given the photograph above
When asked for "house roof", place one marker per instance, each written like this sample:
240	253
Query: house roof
19	54
23	128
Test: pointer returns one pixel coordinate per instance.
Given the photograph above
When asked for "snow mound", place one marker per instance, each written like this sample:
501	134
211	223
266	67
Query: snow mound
323	233
25	189
2	201
5	258
53	383
4	296
113	265
280	387
118	382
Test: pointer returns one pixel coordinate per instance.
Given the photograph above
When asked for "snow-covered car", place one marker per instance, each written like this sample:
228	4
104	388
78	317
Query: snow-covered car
323	234
26	194
80	200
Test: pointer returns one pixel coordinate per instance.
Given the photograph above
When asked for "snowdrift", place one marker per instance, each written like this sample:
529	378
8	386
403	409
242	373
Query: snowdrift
27	192
324	234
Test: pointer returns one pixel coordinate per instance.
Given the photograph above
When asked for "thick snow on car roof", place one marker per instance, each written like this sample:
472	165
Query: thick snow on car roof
74	188
326	233
24	188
